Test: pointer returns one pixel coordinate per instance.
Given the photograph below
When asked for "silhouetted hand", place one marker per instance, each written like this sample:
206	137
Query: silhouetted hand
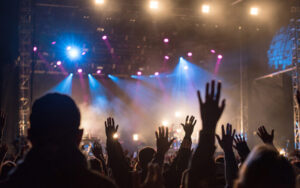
110	128
226	142
210	109
162	142
265	136
189	125
154	178
97	150
241	146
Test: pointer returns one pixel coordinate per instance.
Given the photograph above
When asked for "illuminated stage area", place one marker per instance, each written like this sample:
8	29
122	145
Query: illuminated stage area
139	103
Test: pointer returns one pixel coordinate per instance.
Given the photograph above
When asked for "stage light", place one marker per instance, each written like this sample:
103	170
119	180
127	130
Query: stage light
135	137
98	71
34	48
156	73
154	5
167	57
190	54
83	53
220	56
178	130
165	123
73	53
205	9
69	48
104	37
54	42
212	51
58	63
254	11
99	2
79	70
139	73
115	136
177	114
166	40
186	67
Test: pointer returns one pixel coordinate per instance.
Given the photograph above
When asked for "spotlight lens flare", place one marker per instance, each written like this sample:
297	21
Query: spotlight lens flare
205	9
54	42
99	2
189	54
34	48
212	51
79	70
220	56
166	40
98	71
167	57
58	63
115	136
156	73
186	67
139	73
254	11
73	53
104	37
153	5
69	48
165	123
135	137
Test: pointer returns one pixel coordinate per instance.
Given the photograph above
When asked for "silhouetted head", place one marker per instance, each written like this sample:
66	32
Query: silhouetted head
145	156
96	165
6	167
55	120
264	167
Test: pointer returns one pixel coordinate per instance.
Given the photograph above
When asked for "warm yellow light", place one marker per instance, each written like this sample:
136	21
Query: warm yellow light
115	136
205	9
254	11
100	2
282	152
178	130
135	137
165	123
154	5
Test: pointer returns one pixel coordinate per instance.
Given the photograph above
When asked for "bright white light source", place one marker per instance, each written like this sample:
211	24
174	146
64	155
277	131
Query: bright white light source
73	53
115	136
282	152
178	130
153	5
205	9
177	114
135	137
165	123
99	2
254	11
186	67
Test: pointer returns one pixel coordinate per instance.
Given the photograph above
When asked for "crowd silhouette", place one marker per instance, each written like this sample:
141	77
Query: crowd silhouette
53	158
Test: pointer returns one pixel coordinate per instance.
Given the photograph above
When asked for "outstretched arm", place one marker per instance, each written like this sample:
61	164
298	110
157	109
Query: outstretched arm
265	136
226	143
181	161
116	158
98	153
202	171
241	146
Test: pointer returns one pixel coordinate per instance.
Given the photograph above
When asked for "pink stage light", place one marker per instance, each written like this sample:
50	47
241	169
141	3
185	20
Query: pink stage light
54	42
167	57
79	70
166	40
156	73
212	51
34	48
83	53
220	56
190	54
139	73
98	71
58	63
104	37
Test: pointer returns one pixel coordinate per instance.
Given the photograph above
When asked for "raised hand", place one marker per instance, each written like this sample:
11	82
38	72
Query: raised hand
189	125
265	136
226	142
210	109
97	150
241	146
110	128
162	142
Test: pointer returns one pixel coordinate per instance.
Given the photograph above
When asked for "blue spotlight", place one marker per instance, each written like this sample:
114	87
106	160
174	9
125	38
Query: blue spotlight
65	86
73	52
113	78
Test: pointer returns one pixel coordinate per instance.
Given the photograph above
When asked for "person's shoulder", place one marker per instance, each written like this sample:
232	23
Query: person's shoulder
100	180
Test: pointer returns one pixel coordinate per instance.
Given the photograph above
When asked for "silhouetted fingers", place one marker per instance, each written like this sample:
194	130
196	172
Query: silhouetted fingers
206	91
199	98
218	92
223	131
212	92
